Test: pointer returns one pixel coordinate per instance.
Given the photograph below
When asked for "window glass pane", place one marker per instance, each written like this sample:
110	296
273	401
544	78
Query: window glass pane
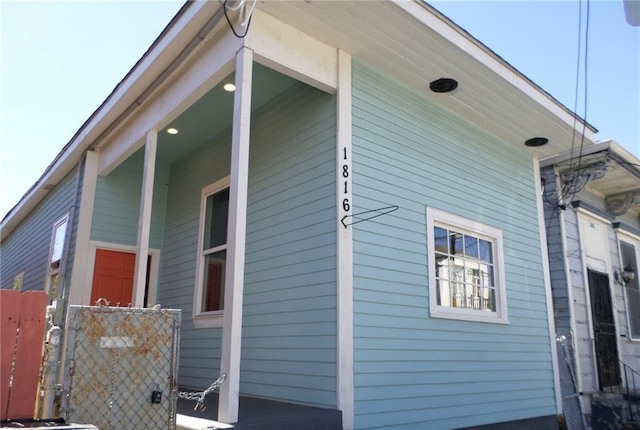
632	290
471	246
58	243
213	278
486	252
442	266
464	270
440	240
217	209
488	297
457	242
487	275
443	293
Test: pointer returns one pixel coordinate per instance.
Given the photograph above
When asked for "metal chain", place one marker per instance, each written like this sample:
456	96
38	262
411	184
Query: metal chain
199	396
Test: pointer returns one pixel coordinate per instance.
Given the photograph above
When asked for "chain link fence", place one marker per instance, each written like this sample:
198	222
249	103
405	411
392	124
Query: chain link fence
122	367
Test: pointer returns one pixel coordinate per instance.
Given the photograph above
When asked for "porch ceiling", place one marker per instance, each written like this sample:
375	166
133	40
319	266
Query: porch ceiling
212	114
491	93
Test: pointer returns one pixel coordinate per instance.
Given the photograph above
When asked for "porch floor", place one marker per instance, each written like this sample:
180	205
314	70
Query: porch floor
264	414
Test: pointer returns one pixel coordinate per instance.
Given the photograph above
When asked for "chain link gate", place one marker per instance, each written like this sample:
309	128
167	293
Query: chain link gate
122	367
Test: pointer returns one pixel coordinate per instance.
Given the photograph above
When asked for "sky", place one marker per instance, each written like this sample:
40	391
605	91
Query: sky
60	60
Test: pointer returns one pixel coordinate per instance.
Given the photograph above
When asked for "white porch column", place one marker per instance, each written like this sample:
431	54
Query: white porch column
80	292
144	220
236	239
345	387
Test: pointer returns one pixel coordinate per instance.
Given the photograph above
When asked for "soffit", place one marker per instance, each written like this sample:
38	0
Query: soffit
615	173
392	40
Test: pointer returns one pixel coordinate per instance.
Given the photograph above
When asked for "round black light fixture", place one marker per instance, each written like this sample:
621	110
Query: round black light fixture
443	85
536	141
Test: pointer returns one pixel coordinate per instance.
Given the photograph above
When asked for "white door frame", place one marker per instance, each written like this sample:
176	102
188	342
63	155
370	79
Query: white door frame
153	270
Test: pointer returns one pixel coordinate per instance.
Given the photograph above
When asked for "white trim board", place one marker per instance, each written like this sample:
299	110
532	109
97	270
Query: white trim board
84	297
344	287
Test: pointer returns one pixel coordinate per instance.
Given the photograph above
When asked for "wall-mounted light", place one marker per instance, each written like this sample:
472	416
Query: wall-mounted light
627	275
536	141
443	85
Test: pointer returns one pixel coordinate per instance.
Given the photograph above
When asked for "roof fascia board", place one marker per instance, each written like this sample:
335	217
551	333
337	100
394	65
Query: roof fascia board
566	156
178	33
438	22
619	153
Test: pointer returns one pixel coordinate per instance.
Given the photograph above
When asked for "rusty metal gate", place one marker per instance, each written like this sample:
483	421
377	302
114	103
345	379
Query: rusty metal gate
121	367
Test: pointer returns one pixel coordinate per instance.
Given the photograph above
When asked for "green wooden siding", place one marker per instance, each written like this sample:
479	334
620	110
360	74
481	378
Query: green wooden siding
413	371
27	247
289	315
117	203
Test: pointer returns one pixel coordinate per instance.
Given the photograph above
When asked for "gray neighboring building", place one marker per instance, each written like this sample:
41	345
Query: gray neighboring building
593	232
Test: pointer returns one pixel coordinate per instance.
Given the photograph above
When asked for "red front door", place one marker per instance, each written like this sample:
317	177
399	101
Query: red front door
113	277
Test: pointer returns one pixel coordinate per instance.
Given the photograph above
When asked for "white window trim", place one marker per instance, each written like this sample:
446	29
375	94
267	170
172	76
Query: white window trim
64	219
494	235
633	240
209	319
85	298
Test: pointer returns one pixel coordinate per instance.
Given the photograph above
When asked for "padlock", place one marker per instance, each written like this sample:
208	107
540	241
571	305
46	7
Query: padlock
156	395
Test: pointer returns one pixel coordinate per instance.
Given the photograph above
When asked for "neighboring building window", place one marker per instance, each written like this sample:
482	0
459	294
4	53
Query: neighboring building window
466	275
58	239
631	289
17	281
212	251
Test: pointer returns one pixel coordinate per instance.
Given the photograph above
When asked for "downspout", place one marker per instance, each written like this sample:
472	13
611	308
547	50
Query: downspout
56	313
567	271
546	273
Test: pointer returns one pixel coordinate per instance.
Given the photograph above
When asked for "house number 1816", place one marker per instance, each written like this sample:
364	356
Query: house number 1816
346	178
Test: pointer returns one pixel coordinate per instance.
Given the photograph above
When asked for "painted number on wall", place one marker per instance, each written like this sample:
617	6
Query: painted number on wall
344	178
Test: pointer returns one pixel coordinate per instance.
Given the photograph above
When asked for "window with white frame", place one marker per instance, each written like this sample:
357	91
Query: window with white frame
466	274
632	287
56	253
212	251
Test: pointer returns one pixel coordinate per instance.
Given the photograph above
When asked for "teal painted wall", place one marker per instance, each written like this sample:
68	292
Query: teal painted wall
117	203
413	371
27	247
289	321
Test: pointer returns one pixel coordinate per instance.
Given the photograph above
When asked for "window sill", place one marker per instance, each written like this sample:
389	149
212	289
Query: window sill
208	319
466	315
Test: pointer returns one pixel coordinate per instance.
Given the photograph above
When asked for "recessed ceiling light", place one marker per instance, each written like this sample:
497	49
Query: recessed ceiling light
172	130
536	141
443	85
229	87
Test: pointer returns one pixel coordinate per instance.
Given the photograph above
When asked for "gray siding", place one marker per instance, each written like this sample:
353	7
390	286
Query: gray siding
413	371
562	314
289	322
27	248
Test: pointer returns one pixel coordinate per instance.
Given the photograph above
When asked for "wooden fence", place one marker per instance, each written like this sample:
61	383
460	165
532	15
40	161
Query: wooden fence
22	321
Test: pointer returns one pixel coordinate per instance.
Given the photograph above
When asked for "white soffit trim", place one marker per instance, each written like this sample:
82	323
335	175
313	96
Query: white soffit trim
207	70
287	50
436	21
